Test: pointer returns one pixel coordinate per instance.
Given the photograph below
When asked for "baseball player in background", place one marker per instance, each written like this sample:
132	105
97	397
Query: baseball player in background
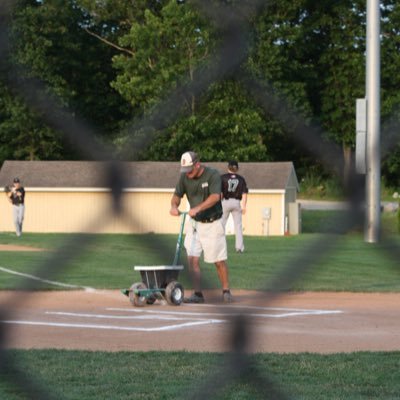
16	196
234	200
206	234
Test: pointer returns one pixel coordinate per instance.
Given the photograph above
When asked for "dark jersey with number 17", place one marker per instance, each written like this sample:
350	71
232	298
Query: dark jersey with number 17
233	186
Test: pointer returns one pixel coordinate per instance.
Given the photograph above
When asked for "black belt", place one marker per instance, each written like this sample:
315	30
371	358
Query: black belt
208	220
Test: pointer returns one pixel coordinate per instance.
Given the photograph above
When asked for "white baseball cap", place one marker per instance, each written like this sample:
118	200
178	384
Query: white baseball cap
188	160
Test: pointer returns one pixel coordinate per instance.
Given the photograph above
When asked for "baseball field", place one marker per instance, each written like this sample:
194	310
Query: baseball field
333	333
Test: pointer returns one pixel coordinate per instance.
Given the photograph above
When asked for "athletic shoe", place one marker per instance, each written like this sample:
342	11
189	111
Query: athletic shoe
194	298
239	251
227	296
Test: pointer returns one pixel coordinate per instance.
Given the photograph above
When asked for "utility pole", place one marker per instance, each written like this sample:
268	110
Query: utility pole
373	149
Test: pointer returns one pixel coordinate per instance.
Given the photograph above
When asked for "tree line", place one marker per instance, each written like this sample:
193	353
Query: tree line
116	62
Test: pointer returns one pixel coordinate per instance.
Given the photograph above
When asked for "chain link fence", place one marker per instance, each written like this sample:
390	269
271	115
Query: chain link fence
234	25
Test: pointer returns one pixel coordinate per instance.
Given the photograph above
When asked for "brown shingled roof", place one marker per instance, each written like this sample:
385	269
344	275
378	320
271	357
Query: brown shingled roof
141	174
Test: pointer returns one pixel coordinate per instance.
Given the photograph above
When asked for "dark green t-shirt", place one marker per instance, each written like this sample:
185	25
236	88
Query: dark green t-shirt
197	190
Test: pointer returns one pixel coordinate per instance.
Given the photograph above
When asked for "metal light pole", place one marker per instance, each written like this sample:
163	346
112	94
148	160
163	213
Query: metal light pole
373	173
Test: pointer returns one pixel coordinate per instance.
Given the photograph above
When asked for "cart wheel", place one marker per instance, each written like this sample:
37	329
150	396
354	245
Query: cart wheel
135	299
174	293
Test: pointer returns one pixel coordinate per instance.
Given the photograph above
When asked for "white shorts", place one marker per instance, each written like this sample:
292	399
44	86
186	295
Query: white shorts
207	237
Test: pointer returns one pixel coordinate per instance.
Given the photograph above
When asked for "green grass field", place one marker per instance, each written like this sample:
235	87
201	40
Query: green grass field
107	262
176	375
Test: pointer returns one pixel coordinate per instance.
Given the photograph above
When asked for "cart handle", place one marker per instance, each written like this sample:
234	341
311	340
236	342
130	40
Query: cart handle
179	242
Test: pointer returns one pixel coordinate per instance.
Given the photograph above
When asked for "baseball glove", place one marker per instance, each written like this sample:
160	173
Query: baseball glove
7	189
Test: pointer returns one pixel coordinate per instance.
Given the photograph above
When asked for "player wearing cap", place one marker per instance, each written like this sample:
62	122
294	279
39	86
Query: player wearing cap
17	199
202	187
234	200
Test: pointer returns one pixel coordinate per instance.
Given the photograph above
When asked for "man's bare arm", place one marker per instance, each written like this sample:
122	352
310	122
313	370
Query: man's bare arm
175	203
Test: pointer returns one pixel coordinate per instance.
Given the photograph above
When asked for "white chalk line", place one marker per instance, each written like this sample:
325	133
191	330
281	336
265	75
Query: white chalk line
125	317
193	322
66	285
112	327
255	307
228	314
55	283
290	312
152	315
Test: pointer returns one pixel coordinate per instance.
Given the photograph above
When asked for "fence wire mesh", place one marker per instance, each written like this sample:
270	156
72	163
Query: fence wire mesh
234	24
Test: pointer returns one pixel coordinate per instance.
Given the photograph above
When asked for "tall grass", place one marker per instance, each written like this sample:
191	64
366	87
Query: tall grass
314	186
317	187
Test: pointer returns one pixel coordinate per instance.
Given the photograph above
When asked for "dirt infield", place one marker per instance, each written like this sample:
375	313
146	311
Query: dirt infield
14	247
297	322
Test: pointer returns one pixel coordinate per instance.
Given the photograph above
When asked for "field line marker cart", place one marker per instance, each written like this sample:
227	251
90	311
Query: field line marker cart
159	281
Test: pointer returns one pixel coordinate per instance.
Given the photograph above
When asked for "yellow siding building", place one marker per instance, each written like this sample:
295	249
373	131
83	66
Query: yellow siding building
76	196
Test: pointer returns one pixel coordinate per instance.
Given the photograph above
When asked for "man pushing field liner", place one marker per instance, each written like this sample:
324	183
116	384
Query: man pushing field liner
202	187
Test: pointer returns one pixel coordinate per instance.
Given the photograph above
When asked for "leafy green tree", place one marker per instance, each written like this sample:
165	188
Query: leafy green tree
390	81
170	47
112	18
314	53
163	48
333	43
23	136
113	60
277	62
341	68
50	41
227	125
